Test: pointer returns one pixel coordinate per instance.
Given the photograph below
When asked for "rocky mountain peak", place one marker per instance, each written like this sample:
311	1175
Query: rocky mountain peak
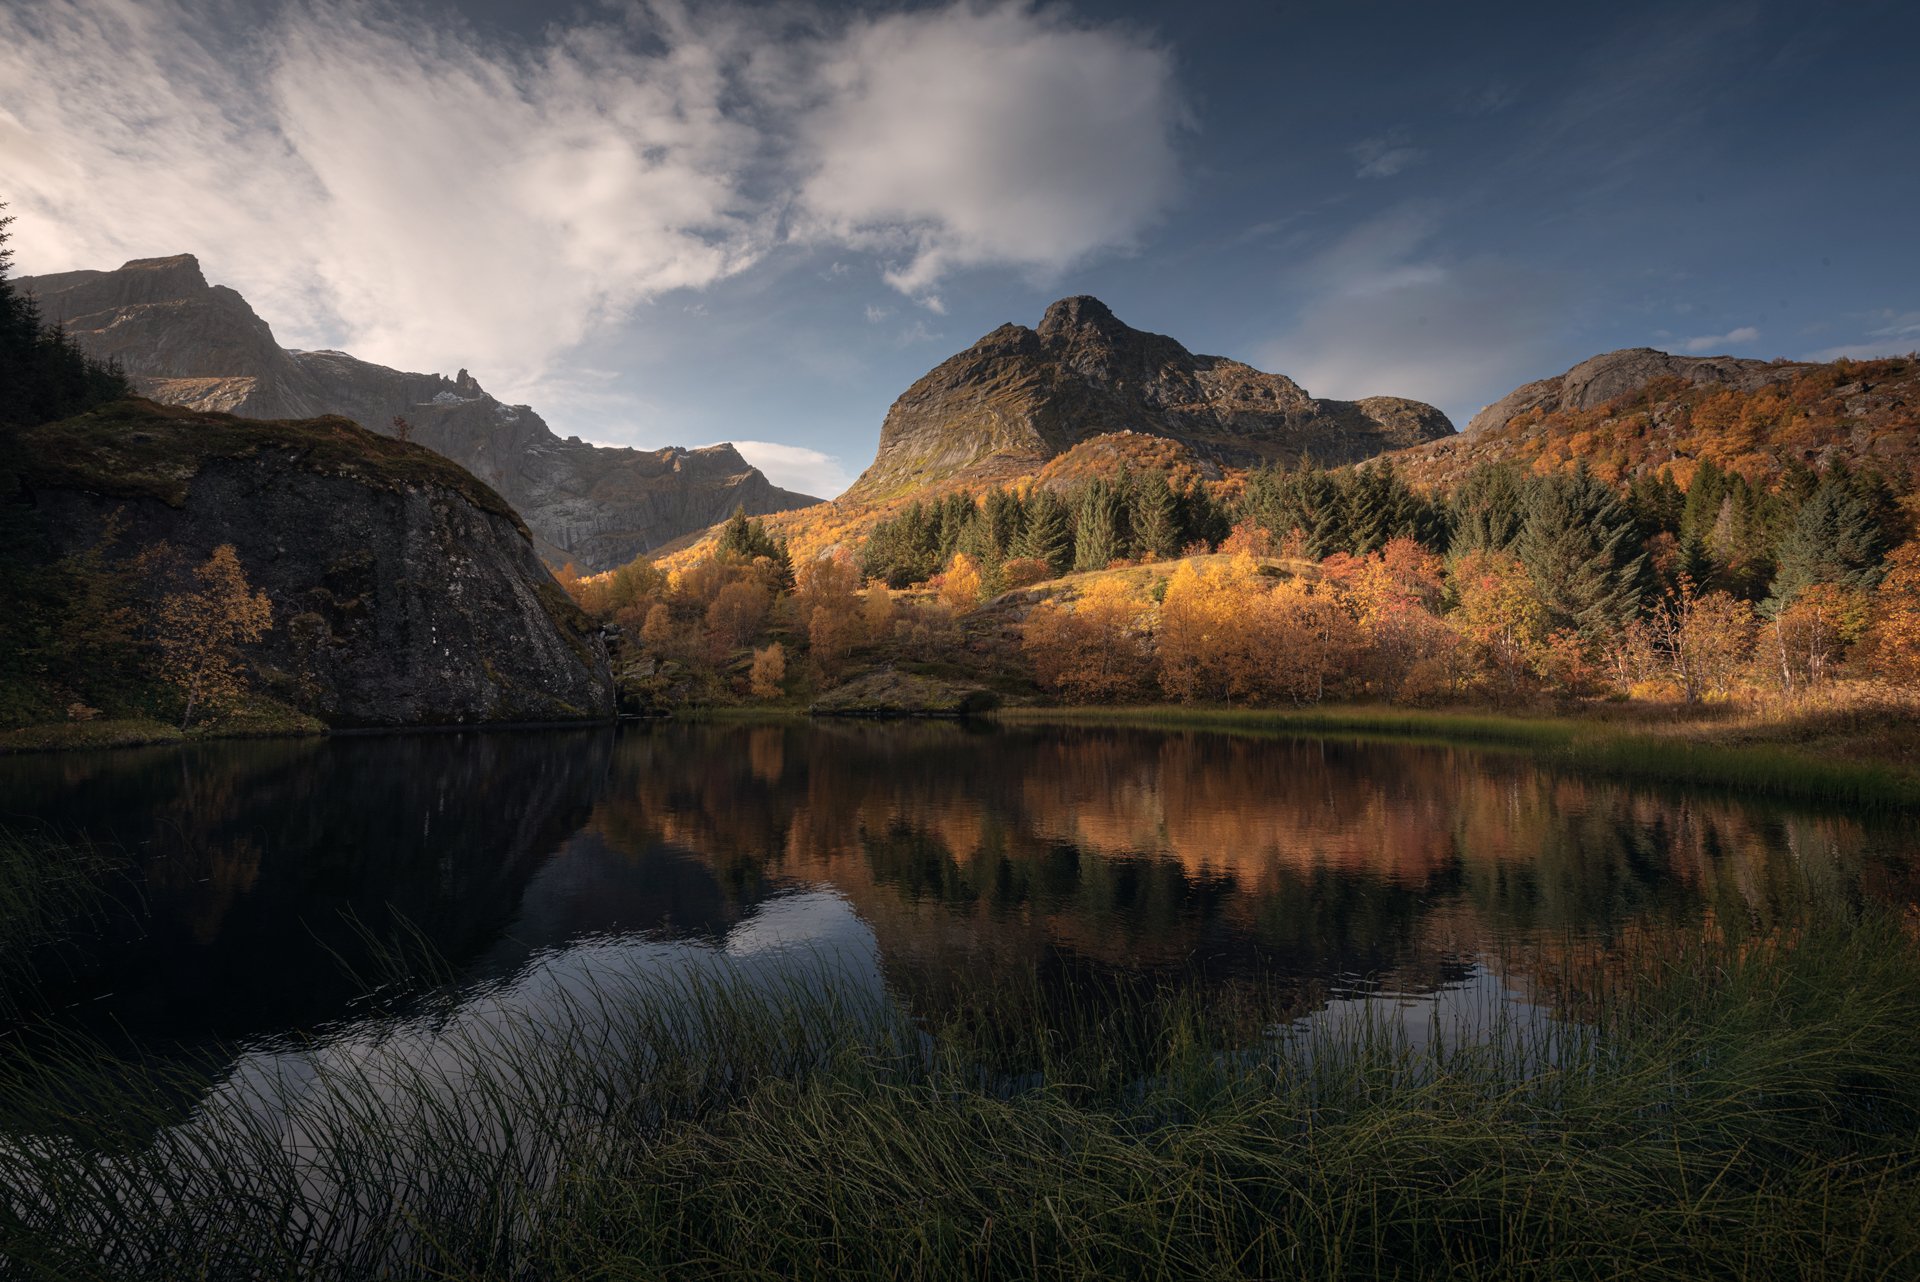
1080	314
1020	396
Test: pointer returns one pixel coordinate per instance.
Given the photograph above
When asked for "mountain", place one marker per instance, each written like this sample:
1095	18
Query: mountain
1610	375
1639	411
185	342
404	591
1020	396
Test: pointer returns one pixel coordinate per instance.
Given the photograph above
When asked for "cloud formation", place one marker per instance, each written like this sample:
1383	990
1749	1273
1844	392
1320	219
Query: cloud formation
1732	338
795	467
963	137
1891	333
427	198
1385	312
1386	155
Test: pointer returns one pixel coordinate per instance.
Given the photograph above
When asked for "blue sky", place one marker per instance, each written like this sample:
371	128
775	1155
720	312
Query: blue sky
667	224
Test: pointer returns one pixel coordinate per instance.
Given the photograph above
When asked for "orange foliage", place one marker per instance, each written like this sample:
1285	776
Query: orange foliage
959	586
1893	637
1092	652
200	632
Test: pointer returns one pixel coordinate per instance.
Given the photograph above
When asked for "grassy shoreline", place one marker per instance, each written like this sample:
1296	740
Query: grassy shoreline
1740	1107
1785	759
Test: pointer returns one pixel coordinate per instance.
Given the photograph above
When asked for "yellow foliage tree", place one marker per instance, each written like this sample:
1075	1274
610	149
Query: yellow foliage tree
1093	651
769	670
1893	637
200	632
960	585
876	610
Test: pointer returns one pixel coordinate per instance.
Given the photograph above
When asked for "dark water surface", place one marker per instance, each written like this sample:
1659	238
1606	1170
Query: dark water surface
270	879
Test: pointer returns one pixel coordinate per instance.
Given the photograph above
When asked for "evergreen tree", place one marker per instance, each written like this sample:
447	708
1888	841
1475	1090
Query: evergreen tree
1100	526
1202	518
1835	537
1155	517
1001	514
43	374
1048	532
904	550
1488	509
1657	504
1578	546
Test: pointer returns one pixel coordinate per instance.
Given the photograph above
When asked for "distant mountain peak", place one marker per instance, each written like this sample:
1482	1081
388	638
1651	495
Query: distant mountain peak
188	343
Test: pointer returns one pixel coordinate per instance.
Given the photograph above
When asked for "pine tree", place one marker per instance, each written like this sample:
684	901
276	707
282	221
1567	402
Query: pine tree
1489	508
43	374
1048	532
1155	517
1099	532
1578	545
1834	538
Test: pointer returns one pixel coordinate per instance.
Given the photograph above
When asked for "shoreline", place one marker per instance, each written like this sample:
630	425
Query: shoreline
1780	758
1814	756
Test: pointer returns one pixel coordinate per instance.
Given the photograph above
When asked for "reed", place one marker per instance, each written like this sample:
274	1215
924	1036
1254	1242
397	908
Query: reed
1737	1105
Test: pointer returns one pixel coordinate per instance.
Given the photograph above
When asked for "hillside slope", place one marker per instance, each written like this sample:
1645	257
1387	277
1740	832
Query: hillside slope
189	343
1638	412
404	592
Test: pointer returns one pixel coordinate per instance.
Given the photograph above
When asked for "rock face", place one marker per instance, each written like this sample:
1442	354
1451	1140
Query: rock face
185	342
1599	379
404	592
1026	395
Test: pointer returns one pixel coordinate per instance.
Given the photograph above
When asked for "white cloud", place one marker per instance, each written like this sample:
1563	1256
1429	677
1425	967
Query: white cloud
795	467
1732	338
1384	314
425	198
1897	334
877	313
1386	155
976	135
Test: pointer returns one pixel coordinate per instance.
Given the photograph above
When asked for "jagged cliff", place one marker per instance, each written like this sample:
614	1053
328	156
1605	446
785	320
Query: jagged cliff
1025	395
185	342
404	592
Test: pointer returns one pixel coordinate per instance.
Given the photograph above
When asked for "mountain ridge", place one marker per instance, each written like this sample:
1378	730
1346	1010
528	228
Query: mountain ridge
186	342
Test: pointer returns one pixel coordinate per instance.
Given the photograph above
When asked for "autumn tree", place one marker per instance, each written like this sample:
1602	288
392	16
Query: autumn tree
876	611
1499	613
960	585
1892	644
199	633
1093	651
1804	644
1708	640
736	616
769	670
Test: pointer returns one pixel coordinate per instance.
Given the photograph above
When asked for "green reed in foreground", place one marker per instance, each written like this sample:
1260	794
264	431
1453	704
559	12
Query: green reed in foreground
1742	1108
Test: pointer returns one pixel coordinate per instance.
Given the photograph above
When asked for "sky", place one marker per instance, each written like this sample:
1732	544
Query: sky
681	223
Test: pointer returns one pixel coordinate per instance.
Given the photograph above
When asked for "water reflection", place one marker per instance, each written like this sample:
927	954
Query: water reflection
272	872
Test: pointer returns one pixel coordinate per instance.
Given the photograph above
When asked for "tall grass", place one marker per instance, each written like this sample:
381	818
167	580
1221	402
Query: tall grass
1741	1107
54	893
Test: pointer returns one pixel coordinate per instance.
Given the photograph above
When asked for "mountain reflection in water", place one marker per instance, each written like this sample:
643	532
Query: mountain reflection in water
273	876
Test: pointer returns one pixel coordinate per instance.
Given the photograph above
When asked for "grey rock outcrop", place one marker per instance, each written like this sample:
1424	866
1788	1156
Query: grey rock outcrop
1599	379
185	342
404	592
1025	395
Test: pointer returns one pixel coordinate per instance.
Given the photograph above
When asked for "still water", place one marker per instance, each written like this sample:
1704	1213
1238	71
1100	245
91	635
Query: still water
265	882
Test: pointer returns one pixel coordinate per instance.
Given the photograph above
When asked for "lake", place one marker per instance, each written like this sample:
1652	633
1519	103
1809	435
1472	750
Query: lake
284	889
